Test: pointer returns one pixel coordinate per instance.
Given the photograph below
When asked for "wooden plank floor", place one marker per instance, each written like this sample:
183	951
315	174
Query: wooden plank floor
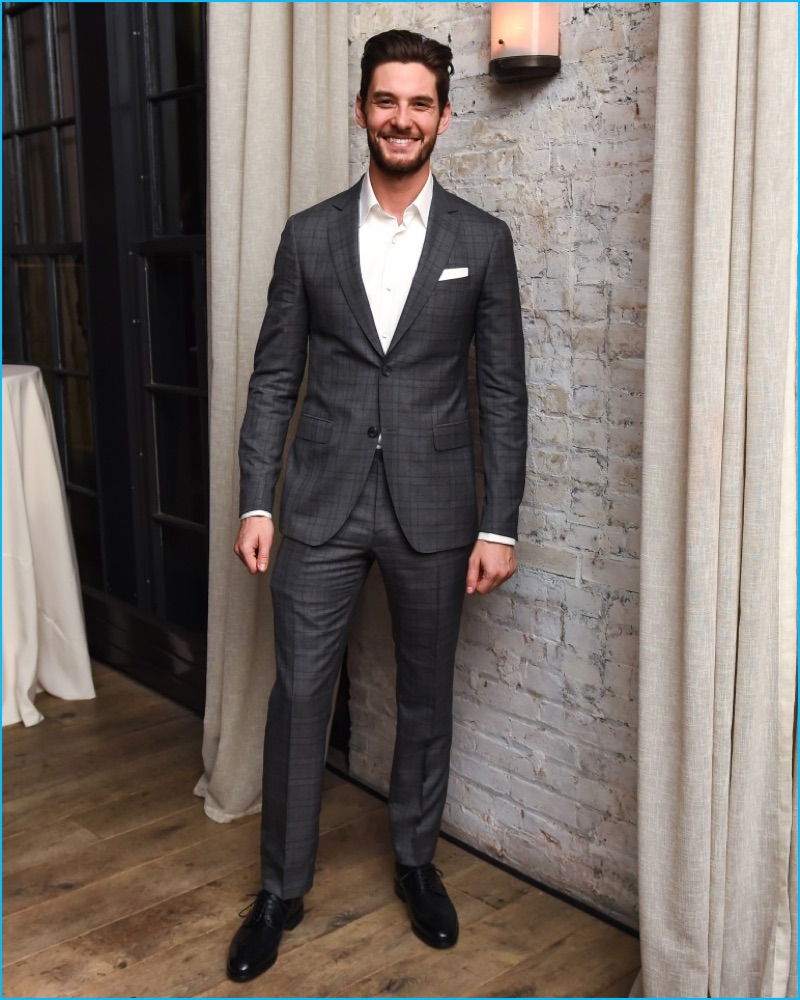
117	885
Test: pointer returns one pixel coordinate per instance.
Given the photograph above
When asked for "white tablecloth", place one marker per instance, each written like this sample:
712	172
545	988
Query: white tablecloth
44	634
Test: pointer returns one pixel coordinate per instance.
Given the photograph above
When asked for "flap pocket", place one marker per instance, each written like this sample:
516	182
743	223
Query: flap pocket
315	429
455	435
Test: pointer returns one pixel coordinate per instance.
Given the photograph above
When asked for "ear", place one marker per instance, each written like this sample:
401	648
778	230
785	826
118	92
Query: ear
360	116
444	121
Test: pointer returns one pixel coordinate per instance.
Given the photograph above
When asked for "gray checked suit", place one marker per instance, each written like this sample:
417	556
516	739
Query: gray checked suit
411	505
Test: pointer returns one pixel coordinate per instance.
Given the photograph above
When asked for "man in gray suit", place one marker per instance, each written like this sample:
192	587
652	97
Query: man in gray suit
382	290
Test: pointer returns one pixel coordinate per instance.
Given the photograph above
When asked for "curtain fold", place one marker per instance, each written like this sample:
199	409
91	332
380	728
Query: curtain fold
277	128
718	586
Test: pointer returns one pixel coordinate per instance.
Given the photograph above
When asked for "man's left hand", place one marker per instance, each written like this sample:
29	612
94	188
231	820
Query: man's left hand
490	564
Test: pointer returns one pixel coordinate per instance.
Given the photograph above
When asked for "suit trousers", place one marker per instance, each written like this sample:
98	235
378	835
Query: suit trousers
314	593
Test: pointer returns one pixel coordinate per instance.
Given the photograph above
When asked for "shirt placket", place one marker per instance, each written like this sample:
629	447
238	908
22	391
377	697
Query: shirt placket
387	308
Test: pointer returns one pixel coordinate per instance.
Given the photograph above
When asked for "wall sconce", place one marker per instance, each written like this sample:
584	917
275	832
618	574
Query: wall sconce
524	41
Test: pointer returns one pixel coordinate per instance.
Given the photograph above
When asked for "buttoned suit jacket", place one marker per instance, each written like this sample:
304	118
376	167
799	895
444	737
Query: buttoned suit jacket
415	395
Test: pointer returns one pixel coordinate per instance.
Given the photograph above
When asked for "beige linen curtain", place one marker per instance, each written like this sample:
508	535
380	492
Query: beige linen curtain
278	119
718	590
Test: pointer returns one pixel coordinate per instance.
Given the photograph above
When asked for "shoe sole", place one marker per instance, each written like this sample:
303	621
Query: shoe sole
238	977
429	941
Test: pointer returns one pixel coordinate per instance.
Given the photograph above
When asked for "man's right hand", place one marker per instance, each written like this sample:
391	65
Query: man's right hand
254	542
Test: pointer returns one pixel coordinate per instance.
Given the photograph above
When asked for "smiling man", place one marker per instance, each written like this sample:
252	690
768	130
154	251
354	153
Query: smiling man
382	290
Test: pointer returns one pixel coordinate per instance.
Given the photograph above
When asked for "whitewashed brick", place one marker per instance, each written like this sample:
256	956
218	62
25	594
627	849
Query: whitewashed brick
624	509
583	601
551	432
589	401
547	463
587	538
623	610
622	645
547	558
620	677
624	406
553	493
625	440
616	572
592	434
588	469
589	339
625	473
548	398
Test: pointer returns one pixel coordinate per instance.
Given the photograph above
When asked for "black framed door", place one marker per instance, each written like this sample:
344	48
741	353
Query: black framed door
104	153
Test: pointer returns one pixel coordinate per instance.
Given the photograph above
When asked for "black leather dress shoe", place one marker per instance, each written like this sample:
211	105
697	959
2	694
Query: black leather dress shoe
255	945
433	916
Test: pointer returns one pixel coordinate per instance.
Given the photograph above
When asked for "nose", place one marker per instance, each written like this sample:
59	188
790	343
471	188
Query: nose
402	116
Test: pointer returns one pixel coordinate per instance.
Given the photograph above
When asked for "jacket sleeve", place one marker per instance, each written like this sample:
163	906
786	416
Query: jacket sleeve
278	368
502	393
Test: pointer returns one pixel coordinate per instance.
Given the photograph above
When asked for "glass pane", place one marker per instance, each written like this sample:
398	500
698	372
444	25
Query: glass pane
67	108
80	436
179	130
35	326
85	519
180	427
8	117
71	314
11	217
11	348
33	55
175	45
185	577
172	321
72	197
40	187
53	387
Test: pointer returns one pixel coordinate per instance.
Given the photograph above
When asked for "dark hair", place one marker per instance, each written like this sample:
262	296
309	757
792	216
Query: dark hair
407	47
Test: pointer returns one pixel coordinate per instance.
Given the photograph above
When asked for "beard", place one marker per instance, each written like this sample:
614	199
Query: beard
402	165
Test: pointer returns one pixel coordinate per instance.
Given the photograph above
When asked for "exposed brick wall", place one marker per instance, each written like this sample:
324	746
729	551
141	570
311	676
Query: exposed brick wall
544	757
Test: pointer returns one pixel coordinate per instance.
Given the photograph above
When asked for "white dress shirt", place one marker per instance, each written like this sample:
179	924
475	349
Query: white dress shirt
389	252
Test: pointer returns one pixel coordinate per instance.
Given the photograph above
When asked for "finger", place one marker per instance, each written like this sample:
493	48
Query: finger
250	556
247	553
473	573
240	552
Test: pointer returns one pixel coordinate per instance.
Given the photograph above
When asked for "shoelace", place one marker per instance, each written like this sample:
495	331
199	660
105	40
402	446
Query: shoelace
426	878
265	906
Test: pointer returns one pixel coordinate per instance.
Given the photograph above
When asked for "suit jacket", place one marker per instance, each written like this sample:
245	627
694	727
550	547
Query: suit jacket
415	396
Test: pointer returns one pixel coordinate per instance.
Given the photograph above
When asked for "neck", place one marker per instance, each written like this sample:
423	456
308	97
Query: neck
395	192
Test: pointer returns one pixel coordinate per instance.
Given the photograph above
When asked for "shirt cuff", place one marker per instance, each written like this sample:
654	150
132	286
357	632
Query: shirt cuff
256	513
487	536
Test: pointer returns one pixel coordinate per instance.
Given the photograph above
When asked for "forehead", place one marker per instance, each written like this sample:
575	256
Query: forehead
404	80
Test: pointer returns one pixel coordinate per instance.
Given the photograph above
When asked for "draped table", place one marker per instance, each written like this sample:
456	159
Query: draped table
44	634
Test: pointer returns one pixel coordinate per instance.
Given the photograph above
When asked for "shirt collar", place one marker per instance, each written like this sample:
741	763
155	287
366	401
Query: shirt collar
422	203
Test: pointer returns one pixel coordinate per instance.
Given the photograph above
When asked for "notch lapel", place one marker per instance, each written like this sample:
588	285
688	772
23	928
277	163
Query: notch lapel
343	241
440	238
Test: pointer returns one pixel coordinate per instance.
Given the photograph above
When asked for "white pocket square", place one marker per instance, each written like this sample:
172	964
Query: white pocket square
453	272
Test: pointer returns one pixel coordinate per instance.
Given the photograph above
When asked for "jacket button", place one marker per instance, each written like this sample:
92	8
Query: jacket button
374	432
386	370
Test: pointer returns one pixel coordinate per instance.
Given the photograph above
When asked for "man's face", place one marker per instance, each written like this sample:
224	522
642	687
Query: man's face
402	118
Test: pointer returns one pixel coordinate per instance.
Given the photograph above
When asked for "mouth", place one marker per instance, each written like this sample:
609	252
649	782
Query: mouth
398	142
